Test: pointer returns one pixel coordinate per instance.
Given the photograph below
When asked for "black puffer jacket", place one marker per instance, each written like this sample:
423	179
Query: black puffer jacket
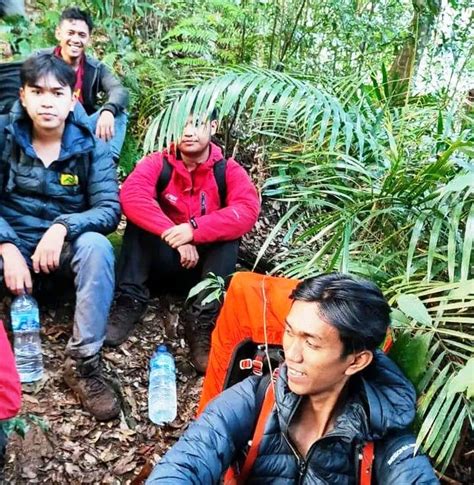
381	408
79	190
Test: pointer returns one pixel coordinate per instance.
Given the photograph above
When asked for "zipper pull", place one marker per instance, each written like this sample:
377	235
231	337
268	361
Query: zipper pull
301	468
203	203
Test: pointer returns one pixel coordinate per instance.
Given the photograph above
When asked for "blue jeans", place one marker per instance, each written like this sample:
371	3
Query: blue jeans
89	260
92	264
116	143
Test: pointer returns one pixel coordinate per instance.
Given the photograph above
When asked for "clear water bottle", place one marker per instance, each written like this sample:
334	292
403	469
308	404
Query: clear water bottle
27	345
162	387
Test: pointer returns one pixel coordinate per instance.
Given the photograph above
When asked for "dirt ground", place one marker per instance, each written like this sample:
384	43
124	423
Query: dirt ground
75	448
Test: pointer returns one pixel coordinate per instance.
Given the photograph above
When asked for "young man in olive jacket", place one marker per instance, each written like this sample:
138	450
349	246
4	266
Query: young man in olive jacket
109	121
335	392
58	199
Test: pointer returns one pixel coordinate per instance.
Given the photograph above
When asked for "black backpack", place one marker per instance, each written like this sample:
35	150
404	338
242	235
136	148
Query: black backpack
219	169
9	85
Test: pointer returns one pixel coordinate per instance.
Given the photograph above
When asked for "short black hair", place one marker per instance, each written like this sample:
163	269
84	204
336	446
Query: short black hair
75	13
356	308
38	66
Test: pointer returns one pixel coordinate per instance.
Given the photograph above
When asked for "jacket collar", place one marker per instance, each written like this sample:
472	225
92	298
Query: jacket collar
77	137
92	61
381	400
215	155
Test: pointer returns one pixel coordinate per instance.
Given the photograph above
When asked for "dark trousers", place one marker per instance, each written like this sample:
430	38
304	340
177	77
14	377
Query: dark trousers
3	446
146	260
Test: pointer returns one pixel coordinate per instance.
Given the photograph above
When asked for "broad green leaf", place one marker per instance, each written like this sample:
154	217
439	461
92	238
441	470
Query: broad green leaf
411	354
413	307
463	381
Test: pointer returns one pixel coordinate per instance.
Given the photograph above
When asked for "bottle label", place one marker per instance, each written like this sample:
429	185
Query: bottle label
163	364
25	321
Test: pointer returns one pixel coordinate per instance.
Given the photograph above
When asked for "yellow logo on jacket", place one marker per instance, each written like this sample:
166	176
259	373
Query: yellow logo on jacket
68	179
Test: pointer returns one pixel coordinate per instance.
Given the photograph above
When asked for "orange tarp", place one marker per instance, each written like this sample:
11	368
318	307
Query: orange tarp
250	300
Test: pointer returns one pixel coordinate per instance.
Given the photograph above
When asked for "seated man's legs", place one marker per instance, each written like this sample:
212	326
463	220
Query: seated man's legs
116	143
140	252
221	259
91	259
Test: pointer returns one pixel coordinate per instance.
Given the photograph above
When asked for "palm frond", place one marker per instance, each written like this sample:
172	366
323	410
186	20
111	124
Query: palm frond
284	99
438	321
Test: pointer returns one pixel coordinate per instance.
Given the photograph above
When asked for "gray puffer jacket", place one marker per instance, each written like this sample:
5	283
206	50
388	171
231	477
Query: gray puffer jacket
79	190
380	408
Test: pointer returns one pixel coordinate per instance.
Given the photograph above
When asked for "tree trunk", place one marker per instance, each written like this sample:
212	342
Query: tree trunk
409	55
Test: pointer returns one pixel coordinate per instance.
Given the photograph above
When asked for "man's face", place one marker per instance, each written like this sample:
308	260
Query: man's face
73	37
47	102
196	138
313	352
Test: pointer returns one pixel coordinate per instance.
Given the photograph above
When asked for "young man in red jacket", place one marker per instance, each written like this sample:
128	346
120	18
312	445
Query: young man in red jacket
182	229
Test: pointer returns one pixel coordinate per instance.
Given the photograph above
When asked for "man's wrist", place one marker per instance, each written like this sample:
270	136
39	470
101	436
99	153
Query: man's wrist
109	108
63	230
7	246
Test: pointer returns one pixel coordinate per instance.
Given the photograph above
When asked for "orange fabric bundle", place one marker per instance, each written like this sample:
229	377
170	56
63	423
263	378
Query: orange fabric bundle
251	300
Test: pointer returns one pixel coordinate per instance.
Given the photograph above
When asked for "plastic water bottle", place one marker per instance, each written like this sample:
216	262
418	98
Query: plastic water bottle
27	345
162	387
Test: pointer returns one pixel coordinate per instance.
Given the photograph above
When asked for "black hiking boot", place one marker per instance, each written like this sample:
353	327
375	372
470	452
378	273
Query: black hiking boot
85	377
125	313
198	335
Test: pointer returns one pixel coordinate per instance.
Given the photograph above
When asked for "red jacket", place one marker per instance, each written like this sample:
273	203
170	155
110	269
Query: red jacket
188	195
10	388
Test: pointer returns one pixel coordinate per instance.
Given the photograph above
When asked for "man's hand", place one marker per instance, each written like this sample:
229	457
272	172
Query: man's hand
105	128
178	235
189	255
47	254
15	270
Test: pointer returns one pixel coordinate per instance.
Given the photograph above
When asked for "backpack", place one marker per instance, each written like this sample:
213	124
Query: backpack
219	170
5	149
9	84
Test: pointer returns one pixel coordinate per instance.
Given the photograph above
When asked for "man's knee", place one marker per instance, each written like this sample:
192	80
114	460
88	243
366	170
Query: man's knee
93	245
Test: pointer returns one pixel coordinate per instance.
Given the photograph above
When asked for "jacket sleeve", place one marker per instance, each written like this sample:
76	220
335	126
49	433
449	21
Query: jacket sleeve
103	214
10	388
212	442
8	234
117	94
398	461
238	216
138	196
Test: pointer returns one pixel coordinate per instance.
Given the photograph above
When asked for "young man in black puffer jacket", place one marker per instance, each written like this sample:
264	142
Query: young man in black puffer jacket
335	392
58	199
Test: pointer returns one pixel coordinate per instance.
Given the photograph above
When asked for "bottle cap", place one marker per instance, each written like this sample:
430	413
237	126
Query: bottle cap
161	348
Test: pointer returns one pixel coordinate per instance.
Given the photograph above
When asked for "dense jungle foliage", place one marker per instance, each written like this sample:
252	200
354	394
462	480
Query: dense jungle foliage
360	115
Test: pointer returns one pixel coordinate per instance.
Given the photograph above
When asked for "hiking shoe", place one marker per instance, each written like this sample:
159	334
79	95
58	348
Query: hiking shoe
198	335
124	314
85	377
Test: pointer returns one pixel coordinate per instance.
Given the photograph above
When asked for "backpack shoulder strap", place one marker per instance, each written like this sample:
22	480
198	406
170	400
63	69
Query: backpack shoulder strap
266	395
366	463
164	177
219	174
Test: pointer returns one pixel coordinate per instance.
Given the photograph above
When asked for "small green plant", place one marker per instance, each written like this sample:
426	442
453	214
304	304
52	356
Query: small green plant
215	285
21	424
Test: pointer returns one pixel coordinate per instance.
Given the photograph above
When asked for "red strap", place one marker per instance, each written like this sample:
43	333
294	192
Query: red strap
267	407
367	462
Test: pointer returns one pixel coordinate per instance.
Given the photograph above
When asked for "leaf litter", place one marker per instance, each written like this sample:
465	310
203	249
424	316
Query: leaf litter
75	448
